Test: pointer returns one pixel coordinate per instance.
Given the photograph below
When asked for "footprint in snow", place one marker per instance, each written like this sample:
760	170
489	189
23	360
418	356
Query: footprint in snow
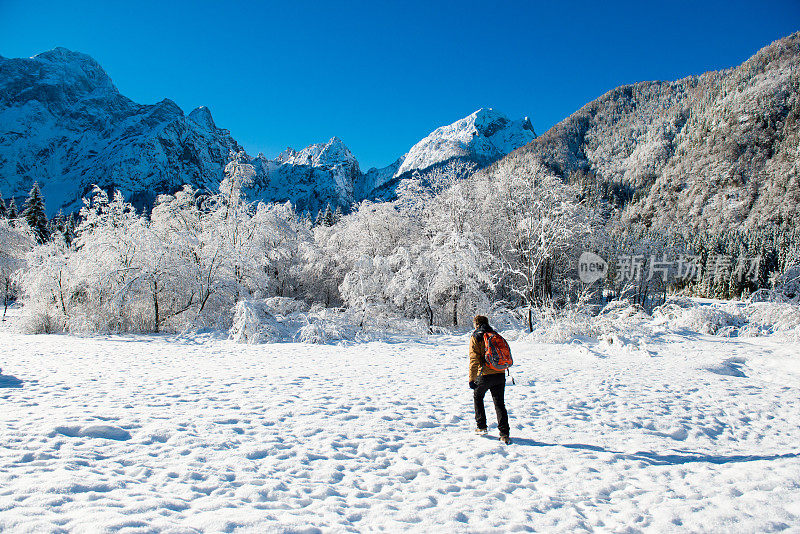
729	367
678	434
426	424
94	431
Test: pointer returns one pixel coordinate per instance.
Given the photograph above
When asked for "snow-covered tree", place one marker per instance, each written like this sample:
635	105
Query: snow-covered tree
47	287
107	266
544	218
35	215
327	217
12	213
461	274
281	238
15	243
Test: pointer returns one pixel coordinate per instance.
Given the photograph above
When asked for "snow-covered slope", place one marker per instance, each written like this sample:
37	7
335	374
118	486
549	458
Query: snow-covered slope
671	433
64	124
375	179
482	137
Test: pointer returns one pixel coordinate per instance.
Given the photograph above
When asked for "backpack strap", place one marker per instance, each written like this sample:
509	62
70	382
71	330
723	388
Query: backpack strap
480	336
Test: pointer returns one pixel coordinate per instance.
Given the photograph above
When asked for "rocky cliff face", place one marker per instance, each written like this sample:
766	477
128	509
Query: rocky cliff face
64	124
715	151
319	175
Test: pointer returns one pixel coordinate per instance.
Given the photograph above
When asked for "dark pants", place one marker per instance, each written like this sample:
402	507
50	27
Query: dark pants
497	385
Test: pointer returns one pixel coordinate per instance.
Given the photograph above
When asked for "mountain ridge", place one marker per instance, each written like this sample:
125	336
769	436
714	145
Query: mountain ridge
64	124
714	150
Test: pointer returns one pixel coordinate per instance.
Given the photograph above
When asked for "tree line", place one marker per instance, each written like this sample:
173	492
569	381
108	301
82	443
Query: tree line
446	248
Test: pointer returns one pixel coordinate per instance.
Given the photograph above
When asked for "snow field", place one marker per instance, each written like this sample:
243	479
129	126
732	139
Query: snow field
166	434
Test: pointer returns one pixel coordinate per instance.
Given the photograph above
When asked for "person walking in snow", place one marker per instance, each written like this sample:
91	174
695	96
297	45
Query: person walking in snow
483	378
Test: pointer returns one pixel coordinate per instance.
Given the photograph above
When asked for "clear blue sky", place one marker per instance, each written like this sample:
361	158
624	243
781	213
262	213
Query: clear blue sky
381	75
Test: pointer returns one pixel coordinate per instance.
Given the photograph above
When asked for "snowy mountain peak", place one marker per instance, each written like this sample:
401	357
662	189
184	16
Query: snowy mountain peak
335	152
285	156
328	155
485	121
169	104
482	137
65	55
318	175
63	67
202	117
64	125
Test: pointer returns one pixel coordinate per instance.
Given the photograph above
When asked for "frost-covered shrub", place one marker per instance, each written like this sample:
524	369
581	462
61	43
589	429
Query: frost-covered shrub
750	319
561	326
673	307
253	323
576	322
618	310
788	283
768	318
512	323
504	317
376	321
285	305
708	320
319	332
767	295
622	319
41	320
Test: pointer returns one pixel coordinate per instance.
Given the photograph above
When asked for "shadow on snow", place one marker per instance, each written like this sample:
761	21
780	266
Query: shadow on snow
8	381
652	458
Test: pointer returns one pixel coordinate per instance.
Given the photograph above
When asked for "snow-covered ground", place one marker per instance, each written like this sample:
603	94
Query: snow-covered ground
682	432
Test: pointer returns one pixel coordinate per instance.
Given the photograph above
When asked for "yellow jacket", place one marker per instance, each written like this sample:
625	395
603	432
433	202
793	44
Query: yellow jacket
477	357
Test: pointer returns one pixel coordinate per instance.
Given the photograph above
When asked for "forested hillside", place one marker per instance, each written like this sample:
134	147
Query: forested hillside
714	151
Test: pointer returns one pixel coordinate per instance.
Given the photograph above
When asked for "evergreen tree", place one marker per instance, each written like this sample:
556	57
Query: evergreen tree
35	215
3	209
70	228
327	219
337	214
12	211
57	223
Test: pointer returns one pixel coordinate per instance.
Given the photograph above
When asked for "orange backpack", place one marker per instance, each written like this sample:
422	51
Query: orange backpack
498	353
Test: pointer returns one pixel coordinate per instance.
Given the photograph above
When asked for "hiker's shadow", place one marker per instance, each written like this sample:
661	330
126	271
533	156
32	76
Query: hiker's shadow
680	457
8	381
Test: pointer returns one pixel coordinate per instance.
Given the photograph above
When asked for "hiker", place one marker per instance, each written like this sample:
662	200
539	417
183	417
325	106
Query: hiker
483	378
